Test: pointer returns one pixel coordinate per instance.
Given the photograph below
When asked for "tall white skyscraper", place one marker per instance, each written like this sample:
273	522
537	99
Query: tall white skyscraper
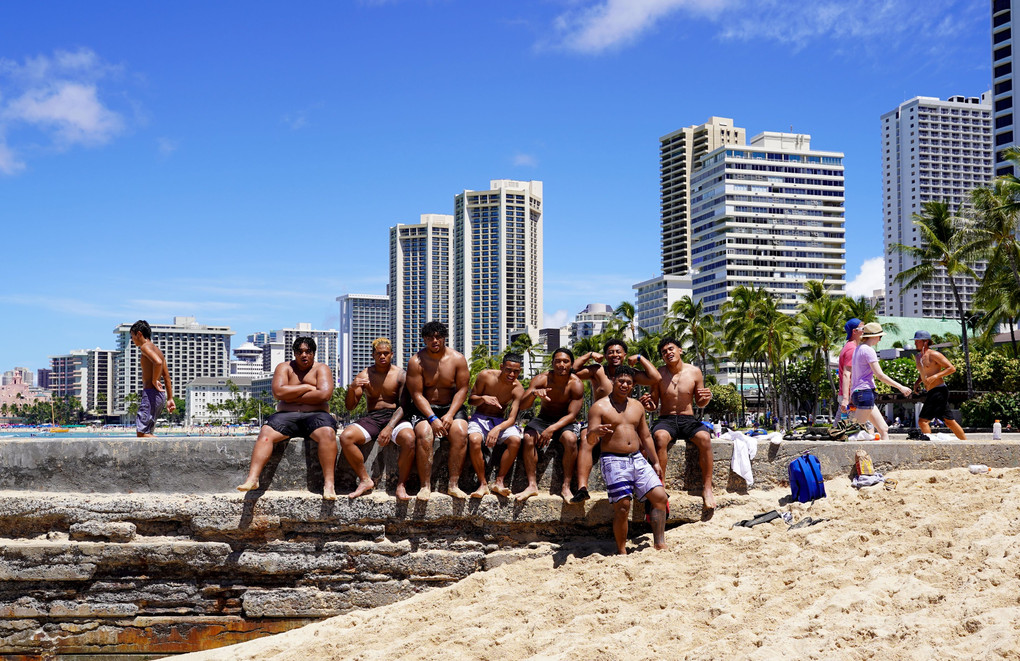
497	264
325	345
101	381
421	280
680	153
363	318
1005	99
767	215
69	375
191	349
932	150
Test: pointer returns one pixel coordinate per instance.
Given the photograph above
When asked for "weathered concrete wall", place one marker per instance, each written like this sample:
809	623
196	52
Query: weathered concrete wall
126	546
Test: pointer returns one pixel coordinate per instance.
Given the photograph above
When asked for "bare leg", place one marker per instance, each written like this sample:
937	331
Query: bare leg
325	438
478	463
530	465
955	427
506	462
621	512
881	426
263	450
923	425
657	497
406	443
569	441
423	451
458	448
662	440
703	441
584	461
350	438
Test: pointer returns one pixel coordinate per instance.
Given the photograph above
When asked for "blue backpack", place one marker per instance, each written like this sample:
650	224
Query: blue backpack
806	478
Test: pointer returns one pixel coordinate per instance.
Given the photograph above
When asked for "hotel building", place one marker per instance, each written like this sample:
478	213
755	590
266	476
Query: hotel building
1004	90
363	318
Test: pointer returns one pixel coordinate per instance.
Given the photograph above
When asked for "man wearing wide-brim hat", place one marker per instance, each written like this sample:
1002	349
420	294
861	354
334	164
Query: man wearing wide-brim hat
863	372
934	368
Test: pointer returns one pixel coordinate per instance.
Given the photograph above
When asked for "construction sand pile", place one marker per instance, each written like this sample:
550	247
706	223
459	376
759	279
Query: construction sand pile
928	570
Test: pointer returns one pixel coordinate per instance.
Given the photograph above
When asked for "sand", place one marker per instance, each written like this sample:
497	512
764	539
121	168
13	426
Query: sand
929	570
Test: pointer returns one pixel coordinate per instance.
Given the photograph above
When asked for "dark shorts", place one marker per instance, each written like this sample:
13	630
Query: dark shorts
417	416
150	406
863	399
539	425
680	426
936	404
300	423
373	423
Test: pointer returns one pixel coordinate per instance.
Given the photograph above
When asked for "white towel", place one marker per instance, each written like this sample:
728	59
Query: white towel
744	450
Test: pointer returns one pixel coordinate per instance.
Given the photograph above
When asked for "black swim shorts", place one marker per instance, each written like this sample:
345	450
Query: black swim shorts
300	423
680	426
439	411
936	404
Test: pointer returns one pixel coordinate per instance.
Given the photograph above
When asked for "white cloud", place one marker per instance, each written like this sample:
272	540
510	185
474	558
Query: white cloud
598	25
556	319
59	97
166	146
525	160
869	278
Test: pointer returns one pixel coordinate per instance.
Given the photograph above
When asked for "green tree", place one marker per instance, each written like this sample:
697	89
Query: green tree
996	212
820	321
945	249
726	402
687	321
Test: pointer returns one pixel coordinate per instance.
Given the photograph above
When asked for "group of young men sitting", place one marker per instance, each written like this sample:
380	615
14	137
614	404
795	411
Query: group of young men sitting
426	402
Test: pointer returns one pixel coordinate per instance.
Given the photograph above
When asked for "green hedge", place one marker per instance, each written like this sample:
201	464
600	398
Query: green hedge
984	409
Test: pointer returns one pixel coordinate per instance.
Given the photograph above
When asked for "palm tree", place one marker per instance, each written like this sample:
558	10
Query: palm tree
995	219
688	320
945	248
738	314
999	296
820	322
625	318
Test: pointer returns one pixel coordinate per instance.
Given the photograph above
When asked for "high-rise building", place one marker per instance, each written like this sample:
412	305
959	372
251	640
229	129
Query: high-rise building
69	375
23	375
258	339
101	381
680	153
497	264
590	321
247	362
421	280
932	150
363	318
767	215
325	345
1004	90
656	296
192	350
42	378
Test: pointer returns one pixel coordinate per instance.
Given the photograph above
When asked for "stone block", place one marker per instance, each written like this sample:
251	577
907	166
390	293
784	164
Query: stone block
357	548
73	609
116	531
257	562
422	565
294	602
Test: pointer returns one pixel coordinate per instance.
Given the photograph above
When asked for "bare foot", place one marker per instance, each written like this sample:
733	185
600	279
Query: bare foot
424	493
402	493
527	493
363	485
480	491
621	550
250	485
328	493
455	492
567	494
499	490
709	498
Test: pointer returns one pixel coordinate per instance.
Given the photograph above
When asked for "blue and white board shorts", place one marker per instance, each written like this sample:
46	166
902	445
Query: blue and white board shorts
627	474
483	424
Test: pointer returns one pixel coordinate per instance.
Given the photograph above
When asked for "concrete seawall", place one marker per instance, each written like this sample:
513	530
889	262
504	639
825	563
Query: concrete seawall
135	548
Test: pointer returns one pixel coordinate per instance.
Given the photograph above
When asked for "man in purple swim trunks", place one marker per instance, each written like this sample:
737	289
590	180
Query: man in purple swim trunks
154	394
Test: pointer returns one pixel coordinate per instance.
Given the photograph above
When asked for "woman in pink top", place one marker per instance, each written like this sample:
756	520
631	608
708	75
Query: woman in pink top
863	372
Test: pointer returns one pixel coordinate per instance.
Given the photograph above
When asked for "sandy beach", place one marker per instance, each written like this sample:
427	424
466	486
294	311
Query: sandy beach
929	569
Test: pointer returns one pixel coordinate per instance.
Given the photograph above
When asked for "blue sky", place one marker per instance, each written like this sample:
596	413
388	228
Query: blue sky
242	162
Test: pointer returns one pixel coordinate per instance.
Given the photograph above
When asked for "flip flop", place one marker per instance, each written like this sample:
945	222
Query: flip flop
805	522
581	495
760	518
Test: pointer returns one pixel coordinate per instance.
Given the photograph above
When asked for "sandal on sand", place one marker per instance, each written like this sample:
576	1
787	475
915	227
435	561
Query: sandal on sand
760	518
805	522
581	495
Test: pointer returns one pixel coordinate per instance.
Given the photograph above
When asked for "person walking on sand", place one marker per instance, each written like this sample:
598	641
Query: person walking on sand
629	464
864	370
493	392
155	393
382	384
302	388
437	382
680	388
562	394
934	368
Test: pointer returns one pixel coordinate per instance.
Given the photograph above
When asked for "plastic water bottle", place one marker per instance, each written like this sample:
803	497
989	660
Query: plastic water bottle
979	469
997	430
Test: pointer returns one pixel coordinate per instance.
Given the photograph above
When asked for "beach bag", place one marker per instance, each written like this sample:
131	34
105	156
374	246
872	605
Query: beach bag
806	481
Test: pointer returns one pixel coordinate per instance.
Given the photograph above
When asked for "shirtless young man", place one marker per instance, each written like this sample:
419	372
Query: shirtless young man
493	391
934	368
382	383
154	395
615	355
681	386
628	462
437	382
562	394
302	388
